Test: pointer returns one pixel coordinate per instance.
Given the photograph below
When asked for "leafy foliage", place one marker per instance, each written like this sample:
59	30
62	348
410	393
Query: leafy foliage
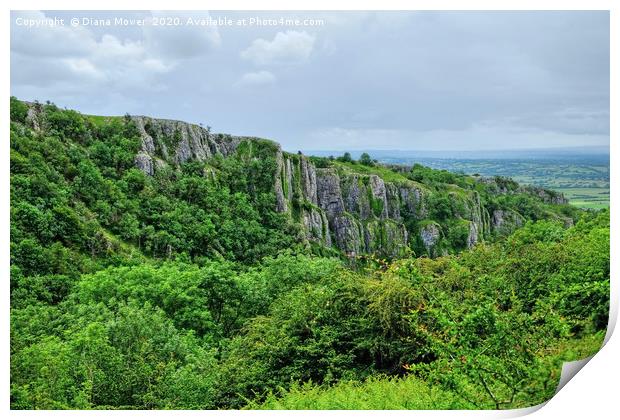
187	290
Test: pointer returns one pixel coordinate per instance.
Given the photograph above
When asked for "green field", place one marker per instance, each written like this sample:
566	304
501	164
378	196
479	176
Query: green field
593	198
583	180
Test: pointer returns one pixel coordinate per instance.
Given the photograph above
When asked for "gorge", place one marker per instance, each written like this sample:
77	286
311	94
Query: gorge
347	206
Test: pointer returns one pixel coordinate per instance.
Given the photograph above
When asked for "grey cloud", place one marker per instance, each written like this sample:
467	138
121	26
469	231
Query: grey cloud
183	41
400	80
46	57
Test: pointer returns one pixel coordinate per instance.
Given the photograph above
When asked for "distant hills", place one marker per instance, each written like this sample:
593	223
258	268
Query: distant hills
570	153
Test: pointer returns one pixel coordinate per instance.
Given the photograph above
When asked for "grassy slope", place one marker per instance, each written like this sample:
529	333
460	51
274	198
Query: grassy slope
101	120
356	168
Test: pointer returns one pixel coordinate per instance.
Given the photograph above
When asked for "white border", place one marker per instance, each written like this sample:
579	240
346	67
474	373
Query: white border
592	393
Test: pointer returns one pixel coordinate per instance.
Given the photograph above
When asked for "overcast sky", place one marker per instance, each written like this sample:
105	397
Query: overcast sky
360	80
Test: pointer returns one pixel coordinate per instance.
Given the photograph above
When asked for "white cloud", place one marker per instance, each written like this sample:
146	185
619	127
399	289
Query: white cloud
55	56
83	67
51	56
257	78
49	41
288	47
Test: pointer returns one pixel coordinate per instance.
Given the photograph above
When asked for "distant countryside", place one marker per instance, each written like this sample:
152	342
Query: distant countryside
582	177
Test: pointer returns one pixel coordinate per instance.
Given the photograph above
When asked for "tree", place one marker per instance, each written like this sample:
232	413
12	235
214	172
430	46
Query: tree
346	157
366	160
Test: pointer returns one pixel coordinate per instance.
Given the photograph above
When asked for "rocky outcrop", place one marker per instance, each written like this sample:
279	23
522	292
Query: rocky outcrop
348	234
378	196
308	180
177	142
504	222
347	206
329	193
501	185
33	117
430	234
363	213
144	162
412	202
357	213
393	202
479	219
316	226
473	236
355	196
347	230
279	185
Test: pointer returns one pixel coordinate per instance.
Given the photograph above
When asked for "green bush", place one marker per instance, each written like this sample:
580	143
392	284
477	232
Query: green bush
187	289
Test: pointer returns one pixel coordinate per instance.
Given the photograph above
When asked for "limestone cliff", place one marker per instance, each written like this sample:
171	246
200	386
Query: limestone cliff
363	213
335	206
354	208
176	142
507	186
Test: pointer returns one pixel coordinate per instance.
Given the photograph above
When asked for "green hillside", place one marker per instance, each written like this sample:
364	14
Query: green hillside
205	273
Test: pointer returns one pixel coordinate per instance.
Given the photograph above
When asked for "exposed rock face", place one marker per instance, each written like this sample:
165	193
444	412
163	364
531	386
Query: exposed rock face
348	233
316	226
393	202
281	176
504	222
329	193
308	180
347	230
430	235
479	223
33	117
360	213
472	238
508	186
355	196
288	178
379	195
357	213
144	162
364	212
412	203
177	142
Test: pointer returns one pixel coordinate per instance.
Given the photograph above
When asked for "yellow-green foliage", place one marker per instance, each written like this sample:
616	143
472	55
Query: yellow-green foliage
376	393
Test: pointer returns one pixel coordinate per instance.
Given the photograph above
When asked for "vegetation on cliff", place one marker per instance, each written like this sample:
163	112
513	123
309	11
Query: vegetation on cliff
222	281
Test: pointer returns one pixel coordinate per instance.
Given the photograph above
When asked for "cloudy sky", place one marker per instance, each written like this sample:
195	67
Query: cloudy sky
347	81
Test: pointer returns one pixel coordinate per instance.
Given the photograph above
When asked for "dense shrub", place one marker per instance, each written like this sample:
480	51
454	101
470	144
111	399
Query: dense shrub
187	290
